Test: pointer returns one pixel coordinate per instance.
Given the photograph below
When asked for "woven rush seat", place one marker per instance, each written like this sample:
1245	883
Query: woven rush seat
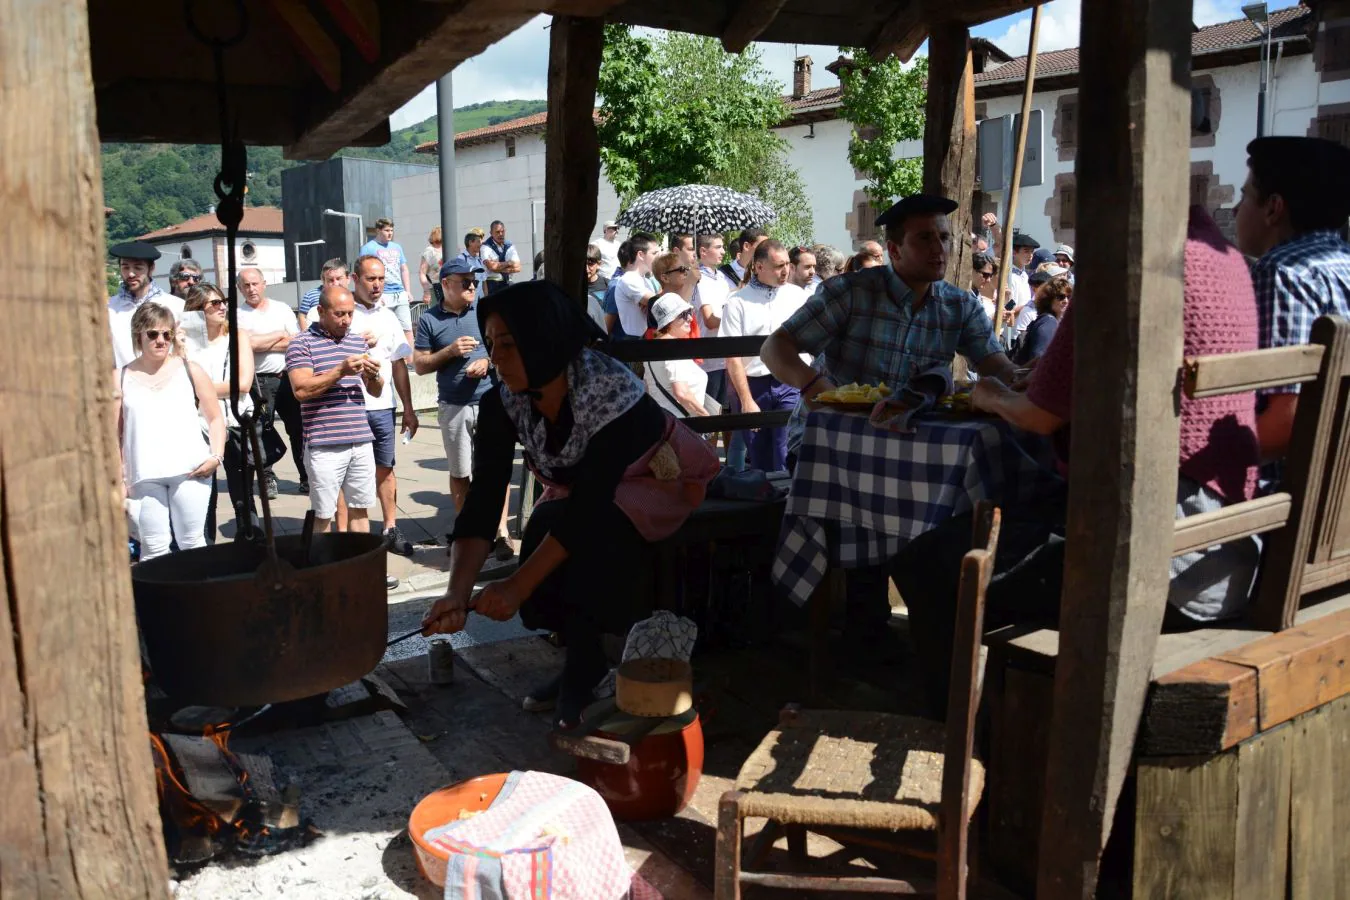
852	770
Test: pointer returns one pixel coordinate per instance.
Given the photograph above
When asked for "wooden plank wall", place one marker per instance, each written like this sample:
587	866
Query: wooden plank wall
1265	819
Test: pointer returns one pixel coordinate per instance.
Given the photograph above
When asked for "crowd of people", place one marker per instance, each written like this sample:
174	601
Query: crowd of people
517	363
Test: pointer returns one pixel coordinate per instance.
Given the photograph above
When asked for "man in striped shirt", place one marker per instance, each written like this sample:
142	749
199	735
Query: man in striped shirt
328	364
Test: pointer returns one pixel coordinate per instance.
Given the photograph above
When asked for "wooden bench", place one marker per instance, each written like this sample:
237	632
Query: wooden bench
1216	687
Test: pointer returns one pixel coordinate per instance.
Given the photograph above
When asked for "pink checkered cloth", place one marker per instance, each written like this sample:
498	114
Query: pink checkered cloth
545	837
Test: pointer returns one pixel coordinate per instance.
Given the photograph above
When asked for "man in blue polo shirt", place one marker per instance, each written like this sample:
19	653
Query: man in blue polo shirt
449	343
396	278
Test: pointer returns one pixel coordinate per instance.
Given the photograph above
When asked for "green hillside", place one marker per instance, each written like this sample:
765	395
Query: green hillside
154	185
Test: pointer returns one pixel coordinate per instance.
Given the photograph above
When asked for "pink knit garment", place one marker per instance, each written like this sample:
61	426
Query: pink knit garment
1218	434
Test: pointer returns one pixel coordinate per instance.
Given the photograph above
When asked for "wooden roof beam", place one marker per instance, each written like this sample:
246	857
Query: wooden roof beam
360	21
905	31
748	22
311	40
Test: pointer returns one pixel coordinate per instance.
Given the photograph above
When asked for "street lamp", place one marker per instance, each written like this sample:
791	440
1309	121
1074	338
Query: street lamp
1259	15
360	226
297	245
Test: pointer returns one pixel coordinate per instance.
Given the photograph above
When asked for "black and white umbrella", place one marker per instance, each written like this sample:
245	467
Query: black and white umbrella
695	209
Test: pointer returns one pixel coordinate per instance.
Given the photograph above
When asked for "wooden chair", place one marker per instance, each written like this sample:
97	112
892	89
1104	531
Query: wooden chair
898	783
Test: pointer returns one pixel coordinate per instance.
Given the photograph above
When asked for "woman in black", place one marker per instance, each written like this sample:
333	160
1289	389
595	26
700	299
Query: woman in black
620	472
1052	298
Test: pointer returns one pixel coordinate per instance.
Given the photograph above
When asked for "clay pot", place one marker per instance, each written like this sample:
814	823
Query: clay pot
445	805
661	774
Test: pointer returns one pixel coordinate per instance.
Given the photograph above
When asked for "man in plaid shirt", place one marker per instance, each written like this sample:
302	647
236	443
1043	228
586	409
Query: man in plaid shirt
1294	203
887	323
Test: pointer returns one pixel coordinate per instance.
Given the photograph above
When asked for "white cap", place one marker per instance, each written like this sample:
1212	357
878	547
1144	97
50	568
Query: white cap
666	309
610	223
1064	250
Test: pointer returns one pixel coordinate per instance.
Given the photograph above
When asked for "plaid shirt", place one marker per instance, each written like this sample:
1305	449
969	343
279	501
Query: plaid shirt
1297	281
866	329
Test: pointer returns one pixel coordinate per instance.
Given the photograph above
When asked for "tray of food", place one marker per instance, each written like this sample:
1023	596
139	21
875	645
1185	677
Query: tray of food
853	397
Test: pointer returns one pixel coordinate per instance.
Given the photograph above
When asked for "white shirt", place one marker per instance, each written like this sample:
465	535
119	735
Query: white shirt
712	292
609	255
759	311
392	344
489	254
631	288
738	269
1020	287
267	317
664	373
120	310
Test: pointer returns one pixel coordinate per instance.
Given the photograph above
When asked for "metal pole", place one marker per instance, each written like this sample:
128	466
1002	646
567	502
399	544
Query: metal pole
360	228
445	128
1005	260
297	245
1265	78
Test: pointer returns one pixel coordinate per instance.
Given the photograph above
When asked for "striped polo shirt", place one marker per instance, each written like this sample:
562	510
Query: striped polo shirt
339	416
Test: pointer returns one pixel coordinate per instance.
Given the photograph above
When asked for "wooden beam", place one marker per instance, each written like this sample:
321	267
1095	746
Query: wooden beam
1299	669
748	22
360	21
77	786
572	165
1131	177
310	40
1234	373
1202	709
902	34
1231	522
949	136
1012	192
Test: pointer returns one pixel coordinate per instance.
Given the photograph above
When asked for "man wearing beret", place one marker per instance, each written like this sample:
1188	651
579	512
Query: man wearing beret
887	323
1294	203
136	261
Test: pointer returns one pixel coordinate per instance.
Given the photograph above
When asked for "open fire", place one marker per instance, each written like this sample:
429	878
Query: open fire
213	801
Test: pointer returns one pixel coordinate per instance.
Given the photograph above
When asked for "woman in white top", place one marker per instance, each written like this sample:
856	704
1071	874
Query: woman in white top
207	330
166	462
429	270
679	386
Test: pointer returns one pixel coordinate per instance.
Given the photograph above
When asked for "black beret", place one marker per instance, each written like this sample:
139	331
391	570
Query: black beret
134	250
1024	240
916	205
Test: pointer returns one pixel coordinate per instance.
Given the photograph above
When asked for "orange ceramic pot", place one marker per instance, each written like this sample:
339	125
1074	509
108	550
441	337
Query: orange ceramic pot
445	805
662	771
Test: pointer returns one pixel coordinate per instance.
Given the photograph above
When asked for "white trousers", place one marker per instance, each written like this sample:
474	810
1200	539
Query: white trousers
171	508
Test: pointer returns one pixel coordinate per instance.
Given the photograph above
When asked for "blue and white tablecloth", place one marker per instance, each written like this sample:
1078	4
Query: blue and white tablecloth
860	493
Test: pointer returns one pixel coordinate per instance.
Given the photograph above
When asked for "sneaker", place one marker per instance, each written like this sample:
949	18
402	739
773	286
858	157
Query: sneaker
271	486
544	697
395	542
390	582
502	550
304	485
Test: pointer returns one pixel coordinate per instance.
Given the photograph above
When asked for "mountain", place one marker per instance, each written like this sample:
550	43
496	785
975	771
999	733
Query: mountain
151	186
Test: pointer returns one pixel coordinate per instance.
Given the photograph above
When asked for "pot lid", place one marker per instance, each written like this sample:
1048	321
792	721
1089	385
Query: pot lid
605	715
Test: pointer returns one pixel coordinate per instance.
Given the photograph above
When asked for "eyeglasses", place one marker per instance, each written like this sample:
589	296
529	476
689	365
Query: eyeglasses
592	262
687	316
154	335
218	301
467	281
986	274
186	276
682	269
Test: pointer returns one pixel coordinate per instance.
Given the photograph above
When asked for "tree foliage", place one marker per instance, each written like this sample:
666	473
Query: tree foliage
884	102
679	110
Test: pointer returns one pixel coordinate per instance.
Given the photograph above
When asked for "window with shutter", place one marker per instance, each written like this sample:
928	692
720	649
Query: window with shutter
1068	124
1335	127
1068	207
1200	189
1201	120
866	221
510	147
1336	47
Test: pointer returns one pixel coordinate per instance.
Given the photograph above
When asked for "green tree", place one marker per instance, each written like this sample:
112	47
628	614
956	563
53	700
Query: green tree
884	103
680	110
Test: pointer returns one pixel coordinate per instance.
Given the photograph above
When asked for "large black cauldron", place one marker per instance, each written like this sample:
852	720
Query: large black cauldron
218	635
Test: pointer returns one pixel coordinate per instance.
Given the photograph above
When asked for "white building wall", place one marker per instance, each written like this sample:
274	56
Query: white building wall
209	252
1293	100
489	186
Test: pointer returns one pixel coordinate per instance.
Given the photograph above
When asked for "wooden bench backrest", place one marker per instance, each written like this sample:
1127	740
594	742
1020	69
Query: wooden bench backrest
1309	519
703	348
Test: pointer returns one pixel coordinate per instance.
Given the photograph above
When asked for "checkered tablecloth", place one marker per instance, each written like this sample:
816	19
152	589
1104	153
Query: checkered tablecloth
860	493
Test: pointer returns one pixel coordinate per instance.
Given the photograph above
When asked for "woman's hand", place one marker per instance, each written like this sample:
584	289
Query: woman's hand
447	615
206	469
500	599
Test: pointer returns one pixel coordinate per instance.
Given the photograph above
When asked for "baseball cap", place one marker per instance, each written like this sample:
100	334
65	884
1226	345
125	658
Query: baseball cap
666	309
610	223
1045	273
459	266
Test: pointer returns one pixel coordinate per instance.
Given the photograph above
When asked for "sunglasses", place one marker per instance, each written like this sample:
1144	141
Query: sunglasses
186	276
218	301
154	335
592	262
682	269
467	281
986	274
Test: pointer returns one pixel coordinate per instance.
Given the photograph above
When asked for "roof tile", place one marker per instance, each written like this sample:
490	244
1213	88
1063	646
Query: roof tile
257	220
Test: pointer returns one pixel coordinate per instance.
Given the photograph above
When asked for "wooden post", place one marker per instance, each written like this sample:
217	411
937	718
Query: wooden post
1133	157
949	136
1015	185
572	169
80	817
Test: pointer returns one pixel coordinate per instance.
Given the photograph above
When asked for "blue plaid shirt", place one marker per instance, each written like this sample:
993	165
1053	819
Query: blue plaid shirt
865	328
1297	281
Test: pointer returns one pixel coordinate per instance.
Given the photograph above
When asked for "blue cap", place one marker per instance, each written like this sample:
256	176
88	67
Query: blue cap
459	266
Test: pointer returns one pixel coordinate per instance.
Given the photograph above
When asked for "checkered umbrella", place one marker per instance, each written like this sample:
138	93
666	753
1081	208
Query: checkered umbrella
695	209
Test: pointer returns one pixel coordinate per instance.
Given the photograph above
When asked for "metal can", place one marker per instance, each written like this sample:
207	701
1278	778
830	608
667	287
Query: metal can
440	661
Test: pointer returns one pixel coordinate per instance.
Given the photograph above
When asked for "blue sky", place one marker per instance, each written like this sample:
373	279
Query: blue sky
516	66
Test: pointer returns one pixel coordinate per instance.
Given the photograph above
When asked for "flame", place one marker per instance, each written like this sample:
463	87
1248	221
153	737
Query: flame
183	809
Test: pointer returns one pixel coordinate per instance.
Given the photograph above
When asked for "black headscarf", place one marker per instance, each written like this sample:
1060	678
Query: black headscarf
550	329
